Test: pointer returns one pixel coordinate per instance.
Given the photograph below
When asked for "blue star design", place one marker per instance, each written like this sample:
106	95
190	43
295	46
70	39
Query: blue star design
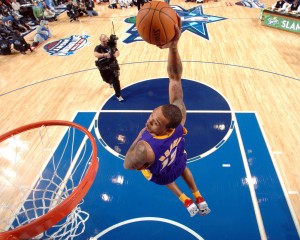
193	20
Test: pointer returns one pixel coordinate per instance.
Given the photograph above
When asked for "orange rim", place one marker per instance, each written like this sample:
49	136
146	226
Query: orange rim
56	214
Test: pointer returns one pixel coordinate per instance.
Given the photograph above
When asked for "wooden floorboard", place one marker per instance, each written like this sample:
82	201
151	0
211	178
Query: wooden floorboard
255	67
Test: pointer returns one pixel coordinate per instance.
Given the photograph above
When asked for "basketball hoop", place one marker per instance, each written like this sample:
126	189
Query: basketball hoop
52	198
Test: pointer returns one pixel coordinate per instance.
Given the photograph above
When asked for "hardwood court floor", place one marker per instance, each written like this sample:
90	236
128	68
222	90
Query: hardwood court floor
255	67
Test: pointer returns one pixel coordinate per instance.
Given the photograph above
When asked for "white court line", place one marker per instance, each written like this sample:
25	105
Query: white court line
141	219
118	155
251	183
226	165
285	192
150	111
293	192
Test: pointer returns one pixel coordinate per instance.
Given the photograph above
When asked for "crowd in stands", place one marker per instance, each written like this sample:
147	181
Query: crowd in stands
79	8
18	17
287	6
123	3
127	3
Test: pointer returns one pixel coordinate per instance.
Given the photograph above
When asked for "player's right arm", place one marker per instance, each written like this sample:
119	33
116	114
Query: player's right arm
175	72
175	87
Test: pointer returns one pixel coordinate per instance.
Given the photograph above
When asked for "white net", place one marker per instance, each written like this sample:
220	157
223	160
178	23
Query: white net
40	168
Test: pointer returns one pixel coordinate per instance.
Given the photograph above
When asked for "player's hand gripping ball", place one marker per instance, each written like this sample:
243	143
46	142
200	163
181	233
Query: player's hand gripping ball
155	23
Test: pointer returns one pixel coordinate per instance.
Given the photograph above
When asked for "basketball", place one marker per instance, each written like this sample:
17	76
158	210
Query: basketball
155	23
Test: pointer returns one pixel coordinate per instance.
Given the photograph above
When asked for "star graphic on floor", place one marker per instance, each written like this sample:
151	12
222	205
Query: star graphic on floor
193	20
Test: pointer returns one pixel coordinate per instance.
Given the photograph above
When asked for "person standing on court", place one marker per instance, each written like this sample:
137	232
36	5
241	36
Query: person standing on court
107	63
158	151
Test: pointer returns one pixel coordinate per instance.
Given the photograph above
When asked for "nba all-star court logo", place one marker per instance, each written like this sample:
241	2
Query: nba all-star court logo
193	20
66	46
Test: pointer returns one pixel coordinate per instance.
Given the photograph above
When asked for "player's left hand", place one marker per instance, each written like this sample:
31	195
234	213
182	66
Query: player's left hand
174	41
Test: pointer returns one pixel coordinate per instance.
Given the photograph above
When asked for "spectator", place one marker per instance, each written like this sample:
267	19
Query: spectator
139	3
16	6
4	45
38	12
286	5
5	32
294	8
7	3
48	13
278	5
26	11
89	4
50	4
10	28
19	24
125	3
5	11
20	43
42	33
80	7
72	11
113	4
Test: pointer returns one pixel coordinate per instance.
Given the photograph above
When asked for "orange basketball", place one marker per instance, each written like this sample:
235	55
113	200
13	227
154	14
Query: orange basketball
155	22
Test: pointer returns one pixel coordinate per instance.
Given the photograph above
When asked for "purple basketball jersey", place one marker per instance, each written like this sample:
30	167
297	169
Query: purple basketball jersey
170	157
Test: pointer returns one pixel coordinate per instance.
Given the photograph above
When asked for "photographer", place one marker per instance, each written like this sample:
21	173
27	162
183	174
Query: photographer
107	53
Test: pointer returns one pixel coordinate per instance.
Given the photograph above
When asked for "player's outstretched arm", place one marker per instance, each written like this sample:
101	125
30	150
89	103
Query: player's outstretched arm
175	72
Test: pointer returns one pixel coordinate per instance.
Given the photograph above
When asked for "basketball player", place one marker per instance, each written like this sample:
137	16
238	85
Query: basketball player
158	151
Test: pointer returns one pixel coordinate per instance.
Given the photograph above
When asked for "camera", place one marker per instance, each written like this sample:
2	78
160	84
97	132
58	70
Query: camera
112	42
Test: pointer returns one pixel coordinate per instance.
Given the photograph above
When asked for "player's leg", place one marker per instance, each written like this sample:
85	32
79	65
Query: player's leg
188	203
201	203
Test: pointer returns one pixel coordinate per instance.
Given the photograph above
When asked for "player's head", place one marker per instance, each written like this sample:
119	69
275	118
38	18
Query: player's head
173	114
163	118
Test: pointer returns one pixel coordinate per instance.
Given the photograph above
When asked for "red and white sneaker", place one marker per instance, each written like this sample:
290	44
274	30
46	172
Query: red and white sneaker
202	205
191	207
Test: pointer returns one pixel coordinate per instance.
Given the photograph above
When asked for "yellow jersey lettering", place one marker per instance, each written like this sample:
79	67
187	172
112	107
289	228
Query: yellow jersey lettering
168	159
